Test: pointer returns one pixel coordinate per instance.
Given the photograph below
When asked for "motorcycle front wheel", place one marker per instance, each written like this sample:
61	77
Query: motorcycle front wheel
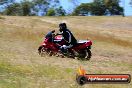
43	51
88	54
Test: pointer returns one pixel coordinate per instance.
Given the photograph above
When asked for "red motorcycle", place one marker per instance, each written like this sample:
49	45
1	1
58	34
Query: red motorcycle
80	50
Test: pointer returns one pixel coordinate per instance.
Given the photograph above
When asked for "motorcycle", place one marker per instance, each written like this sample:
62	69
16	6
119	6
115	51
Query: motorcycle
80	50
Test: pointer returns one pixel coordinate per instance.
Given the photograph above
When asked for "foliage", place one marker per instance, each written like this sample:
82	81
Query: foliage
99	7
41	5
26	7
60	11
34	7
83	9
14	9
6	1
51	12
21	9
53	8
113	7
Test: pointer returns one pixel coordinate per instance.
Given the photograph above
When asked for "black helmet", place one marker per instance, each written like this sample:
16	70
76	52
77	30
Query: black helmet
62	26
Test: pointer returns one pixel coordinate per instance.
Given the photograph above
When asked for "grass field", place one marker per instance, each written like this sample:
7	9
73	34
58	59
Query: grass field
22	67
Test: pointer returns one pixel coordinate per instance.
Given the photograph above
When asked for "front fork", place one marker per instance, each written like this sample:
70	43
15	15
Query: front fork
89	47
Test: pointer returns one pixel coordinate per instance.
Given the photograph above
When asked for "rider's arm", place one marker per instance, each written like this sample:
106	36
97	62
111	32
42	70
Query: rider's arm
69	37
49	34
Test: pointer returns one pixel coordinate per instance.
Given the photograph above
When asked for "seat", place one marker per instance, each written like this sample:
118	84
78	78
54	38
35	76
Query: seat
82	41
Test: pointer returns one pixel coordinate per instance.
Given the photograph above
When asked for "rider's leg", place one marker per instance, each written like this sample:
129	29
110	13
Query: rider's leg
64	48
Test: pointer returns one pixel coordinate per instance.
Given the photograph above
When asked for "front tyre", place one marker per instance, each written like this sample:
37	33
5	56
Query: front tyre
43	51
88	54
39	49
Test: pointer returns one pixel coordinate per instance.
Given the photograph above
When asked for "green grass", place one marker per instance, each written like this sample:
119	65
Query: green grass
14	76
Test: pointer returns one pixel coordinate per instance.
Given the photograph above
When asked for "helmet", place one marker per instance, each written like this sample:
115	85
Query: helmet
62	26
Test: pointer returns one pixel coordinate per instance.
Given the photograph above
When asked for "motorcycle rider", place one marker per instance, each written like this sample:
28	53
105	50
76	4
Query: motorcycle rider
68	37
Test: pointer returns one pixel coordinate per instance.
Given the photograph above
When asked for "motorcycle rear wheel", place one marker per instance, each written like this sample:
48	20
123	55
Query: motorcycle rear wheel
85	54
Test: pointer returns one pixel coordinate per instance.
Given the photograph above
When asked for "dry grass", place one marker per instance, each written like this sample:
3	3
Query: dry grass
22	67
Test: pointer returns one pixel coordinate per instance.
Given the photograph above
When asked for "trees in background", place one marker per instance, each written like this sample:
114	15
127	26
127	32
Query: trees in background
14	9
6	1
56	12
113	7
99	7
41	6
53	8
21	9
60	11
83	9
26	7
4	4
34	7
51	12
